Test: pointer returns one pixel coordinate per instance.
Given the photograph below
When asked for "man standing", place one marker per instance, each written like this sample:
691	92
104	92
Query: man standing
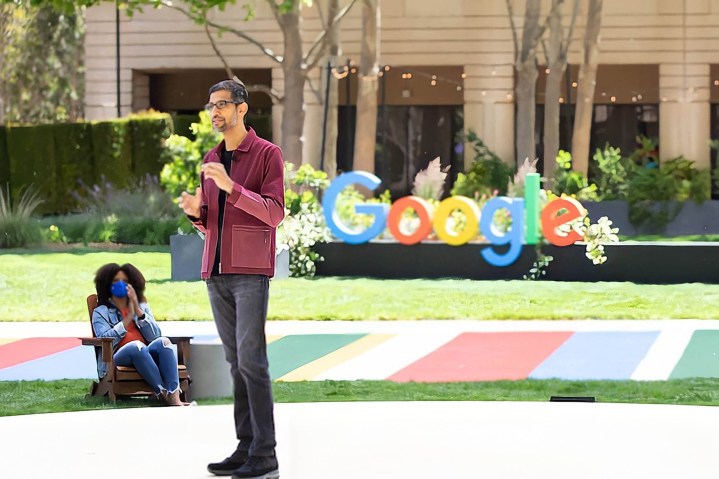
238	207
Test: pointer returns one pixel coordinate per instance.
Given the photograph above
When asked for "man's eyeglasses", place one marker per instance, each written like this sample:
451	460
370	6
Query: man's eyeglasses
221	104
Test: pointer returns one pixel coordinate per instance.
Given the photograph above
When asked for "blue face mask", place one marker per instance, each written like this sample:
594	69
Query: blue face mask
119	289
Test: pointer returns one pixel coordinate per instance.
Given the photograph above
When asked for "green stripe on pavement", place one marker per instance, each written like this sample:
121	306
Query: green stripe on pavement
700	358
290	352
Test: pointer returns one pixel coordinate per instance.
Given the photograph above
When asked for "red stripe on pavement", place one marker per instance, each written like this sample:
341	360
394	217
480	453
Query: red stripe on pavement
484	357
33	348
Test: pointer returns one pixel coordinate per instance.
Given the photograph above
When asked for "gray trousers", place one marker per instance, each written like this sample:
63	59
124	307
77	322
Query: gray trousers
239	305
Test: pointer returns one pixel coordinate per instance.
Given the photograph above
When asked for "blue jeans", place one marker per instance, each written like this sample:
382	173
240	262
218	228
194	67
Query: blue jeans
156	363
239	305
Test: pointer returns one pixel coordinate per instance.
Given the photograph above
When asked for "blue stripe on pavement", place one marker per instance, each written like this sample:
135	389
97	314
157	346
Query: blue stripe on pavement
75	363
597	355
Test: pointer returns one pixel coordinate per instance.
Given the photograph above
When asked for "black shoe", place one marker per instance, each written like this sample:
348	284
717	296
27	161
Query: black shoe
230	464
258	467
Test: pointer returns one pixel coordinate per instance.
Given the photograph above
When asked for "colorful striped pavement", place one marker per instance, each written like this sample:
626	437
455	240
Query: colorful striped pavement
432	351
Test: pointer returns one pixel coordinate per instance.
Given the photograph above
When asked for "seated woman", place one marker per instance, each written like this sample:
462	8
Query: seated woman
123	315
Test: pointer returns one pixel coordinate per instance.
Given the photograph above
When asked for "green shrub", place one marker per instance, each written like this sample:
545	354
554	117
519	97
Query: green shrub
149	132
142	213
488	175
182	172
304	224
82	228
691	184
73	163
32	162
112	151
570	182
18	228
649	198
146	230
612	173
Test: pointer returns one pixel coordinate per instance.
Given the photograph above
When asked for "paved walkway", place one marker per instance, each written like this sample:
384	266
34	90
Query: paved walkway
413	440
407	440
427	351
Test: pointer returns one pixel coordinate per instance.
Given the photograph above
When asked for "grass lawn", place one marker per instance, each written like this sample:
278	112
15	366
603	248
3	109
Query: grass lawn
45	285
33	397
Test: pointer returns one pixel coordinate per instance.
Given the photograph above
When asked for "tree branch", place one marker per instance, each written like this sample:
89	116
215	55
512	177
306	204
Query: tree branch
510	9
320	40
275	10
244	36
575	12
271	92
321	15
228	70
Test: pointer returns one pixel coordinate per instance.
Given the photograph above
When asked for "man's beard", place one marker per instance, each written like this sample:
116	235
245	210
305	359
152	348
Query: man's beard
222	128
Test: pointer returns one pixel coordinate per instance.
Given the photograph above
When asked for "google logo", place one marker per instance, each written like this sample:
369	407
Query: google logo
525	214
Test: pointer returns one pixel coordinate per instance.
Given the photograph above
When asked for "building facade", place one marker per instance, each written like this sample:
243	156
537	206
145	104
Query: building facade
450	67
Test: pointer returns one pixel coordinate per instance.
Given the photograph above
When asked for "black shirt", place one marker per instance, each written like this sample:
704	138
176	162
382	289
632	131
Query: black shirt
226	162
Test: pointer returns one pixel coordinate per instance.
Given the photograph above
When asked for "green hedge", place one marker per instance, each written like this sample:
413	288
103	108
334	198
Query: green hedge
4	159
32	162
74	163
58	159
148	143
112	150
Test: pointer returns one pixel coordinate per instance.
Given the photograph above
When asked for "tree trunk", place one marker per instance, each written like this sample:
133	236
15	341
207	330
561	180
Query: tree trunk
368	85
526	66
585	89
293	115
551	120
332	99
557	66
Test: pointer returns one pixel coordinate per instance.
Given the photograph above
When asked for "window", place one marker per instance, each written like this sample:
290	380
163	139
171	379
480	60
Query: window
626	105
419	118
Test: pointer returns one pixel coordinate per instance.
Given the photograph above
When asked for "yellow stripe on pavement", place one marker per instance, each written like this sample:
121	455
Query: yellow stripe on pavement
310	370
6	341
272	338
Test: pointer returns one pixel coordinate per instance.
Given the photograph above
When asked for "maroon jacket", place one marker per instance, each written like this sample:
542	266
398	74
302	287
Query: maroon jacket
252	211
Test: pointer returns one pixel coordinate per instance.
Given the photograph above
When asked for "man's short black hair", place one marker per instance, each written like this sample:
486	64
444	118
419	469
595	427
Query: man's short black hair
235	87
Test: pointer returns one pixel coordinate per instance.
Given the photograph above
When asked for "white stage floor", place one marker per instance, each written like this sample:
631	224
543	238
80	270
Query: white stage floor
413	440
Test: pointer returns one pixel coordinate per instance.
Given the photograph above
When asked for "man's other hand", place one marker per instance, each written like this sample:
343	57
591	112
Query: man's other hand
190	204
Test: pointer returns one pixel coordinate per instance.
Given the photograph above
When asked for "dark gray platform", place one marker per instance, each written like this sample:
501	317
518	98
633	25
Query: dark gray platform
639	262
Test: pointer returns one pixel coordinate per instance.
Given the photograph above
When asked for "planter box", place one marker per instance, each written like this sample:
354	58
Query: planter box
639	262
692	219
186	258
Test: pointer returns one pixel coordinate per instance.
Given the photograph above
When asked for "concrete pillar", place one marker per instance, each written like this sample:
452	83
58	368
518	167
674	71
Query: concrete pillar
312	132
489	109
684	116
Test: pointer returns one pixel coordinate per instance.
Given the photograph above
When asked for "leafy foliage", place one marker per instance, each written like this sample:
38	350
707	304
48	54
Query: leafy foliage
488	174
570	182
654	192
304	224
612	173
182	171
142	213
42	71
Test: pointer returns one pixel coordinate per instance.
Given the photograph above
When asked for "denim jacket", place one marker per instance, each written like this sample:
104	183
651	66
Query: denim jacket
107	323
